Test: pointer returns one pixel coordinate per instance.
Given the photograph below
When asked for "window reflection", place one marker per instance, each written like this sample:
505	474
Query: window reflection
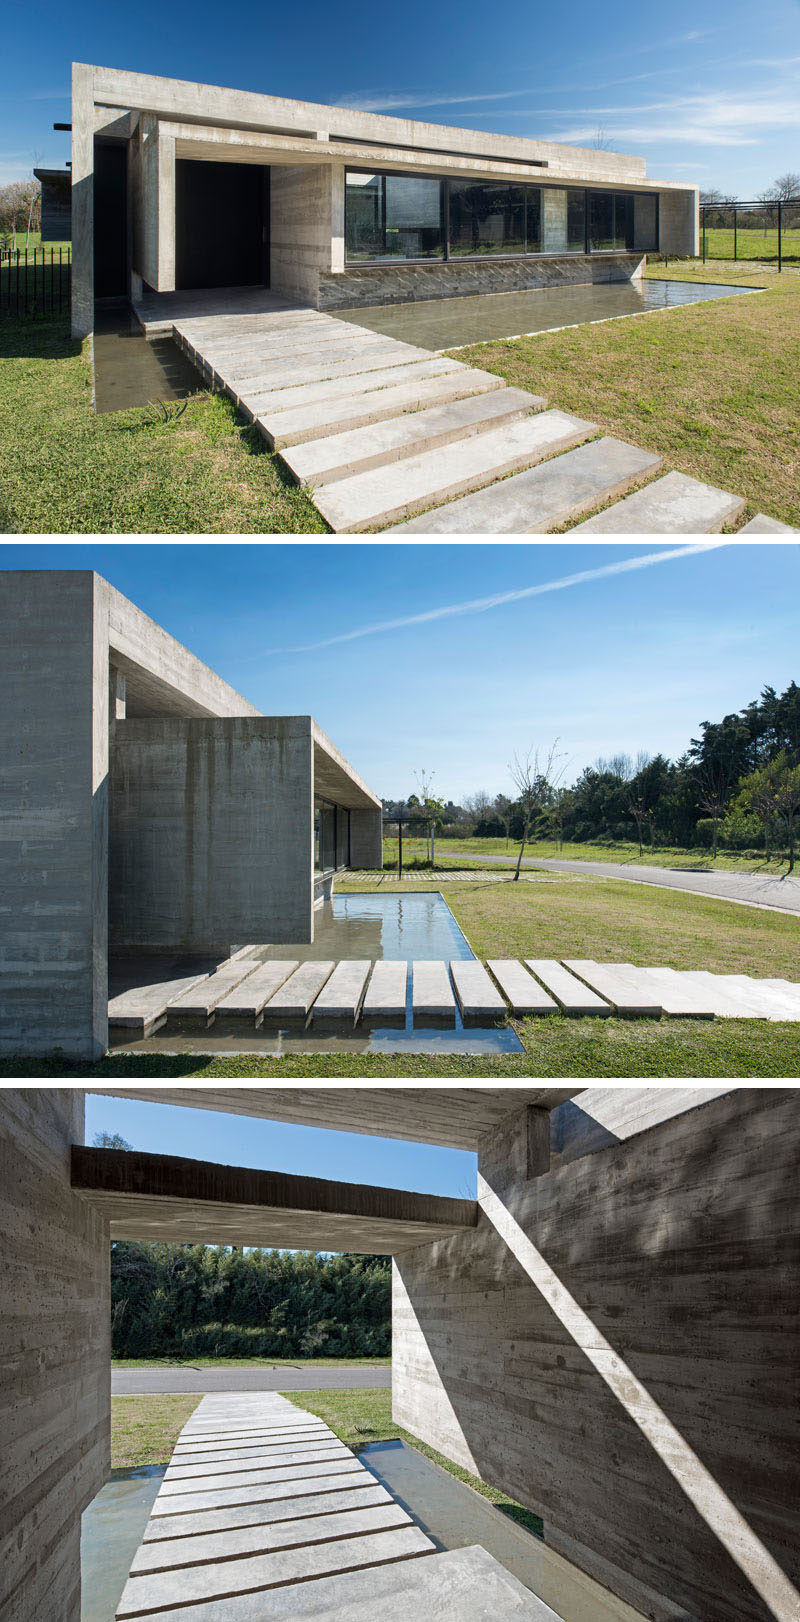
486	219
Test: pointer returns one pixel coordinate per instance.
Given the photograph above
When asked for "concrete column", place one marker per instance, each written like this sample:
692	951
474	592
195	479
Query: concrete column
54	813
54	1353
82	200
554	220
166	212
366	838
337	217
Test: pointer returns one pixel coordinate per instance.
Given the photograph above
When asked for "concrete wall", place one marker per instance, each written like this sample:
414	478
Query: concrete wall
301	229
678	1250
211	833
54	1352
399	283
366	839
53	812
678	218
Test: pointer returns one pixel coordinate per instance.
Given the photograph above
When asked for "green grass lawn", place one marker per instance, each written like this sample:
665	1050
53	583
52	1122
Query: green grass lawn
144	1430
751	242
247	1362
65	470
710	387
627	852
593	917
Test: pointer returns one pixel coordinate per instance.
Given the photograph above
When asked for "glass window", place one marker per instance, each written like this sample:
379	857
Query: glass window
601	221
623	221
486	219
533	215
324	836
576	220
645	223
393	217
342	837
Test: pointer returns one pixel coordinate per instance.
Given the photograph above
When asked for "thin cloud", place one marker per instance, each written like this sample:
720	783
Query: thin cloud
481	605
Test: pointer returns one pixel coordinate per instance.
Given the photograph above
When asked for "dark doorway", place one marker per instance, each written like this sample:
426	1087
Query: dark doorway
110	221
221	224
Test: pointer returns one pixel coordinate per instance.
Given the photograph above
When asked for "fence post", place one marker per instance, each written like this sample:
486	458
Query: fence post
703	218
735	243
780	231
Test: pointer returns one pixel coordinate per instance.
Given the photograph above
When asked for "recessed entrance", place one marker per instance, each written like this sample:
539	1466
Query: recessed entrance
221	224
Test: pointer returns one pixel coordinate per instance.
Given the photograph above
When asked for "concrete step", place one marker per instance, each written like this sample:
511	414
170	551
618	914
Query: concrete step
399	392
478	998
572	996
216	1582
267	402
198	1005
280	1485
459	1585
339	1000
370	499
674	505
357	451
234	1543
431	993
614	985
777	1004
248	999
728	1000
677	996
523	992
143	1008
215	1471
336	1496
762	525
538	501
273	345
261	358
291	1004
289	373
385	999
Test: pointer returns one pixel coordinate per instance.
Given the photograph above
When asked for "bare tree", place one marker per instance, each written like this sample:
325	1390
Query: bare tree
535	785
504	810
638	800
478	804
601	141
715	783
785	189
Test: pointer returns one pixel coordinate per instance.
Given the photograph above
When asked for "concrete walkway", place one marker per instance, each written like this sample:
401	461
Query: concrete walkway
388	436
749	889
301	1377
264	1516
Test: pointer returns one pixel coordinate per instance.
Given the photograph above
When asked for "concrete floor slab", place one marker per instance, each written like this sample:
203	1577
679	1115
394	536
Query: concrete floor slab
233	372
386	494
572	996
524	993
282	1484
776	1005
289	374
214	1471
478	997
340	997
615	986
338	1496
358	451
674	505
201	1000
139	1008
248	999
385	997
215	1582
421	373
236	1455
678	998
431	992
298	424
189	1482
234	1543
728	1001
537	501
295	997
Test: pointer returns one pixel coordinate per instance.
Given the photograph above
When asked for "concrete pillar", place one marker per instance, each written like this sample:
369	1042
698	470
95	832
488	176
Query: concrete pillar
366	838
337	174
54	813
82	200
54	1354
554	220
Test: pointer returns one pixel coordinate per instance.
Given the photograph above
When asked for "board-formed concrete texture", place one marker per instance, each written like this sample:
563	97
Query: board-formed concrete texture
616	1346
144	800
305	149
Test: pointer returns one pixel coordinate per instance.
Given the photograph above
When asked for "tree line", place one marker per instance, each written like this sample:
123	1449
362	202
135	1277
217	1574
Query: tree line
184	1301
736	787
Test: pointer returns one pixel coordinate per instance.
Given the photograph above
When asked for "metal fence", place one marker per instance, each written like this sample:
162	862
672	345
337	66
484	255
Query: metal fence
35	281
757	231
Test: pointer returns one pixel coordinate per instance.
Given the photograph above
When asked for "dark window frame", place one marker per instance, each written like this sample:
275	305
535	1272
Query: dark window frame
445	182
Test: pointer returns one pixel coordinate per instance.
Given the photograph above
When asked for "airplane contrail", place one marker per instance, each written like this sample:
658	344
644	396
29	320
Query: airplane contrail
481	605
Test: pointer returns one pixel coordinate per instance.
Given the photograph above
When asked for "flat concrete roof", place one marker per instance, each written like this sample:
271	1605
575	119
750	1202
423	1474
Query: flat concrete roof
164	1197
455	1117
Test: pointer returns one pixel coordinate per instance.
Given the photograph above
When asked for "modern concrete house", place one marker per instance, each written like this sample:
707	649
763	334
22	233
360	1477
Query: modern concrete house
178	185
146	807
608	1333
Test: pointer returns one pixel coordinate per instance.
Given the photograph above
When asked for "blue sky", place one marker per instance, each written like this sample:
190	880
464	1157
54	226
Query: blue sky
706	90
239	1140
627	661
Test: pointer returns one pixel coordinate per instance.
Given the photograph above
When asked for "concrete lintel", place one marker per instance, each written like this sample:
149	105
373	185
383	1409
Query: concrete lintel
518	1150
164	1197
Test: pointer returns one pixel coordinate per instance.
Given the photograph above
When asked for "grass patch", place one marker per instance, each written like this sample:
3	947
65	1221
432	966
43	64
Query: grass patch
361	1417
710	387
728	861
247	1362
65	470
144	1430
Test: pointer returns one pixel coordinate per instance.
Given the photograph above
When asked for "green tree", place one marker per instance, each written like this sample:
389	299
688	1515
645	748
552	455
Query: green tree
772	793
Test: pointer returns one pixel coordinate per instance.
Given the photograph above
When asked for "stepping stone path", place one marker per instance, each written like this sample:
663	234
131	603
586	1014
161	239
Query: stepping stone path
356	993
303	1530
387	435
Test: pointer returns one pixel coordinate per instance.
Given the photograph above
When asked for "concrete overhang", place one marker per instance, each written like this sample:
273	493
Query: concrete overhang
335	779
162	676
165	1198
454	1117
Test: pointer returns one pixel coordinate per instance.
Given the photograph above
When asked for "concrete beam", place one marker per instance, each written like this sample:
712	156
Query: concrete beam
457	1117
163	1197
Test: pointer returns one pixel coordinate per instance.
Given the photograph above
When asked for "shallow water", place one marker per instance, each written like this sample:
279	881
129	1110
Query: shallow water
452	322
111	1532
130	371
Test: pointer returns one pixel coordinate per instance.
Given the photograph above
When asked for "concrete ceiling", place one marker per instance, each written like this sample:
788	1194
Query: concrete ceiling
456	1117
162	1197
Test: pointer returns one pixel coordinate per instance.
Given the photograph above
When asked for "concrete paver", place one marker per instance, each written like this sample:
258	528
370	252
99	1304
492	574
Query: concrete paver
340	998
523	992
385	999
203	998
762	525
336	1492
388	493
537	501
140	1008
295	997
572	996
478	998
674	505
614	984
249	997
431	992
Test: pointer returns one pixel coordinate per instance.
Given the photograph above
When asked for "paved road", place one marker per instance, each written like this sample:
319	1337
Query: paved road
750	889
301	1377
